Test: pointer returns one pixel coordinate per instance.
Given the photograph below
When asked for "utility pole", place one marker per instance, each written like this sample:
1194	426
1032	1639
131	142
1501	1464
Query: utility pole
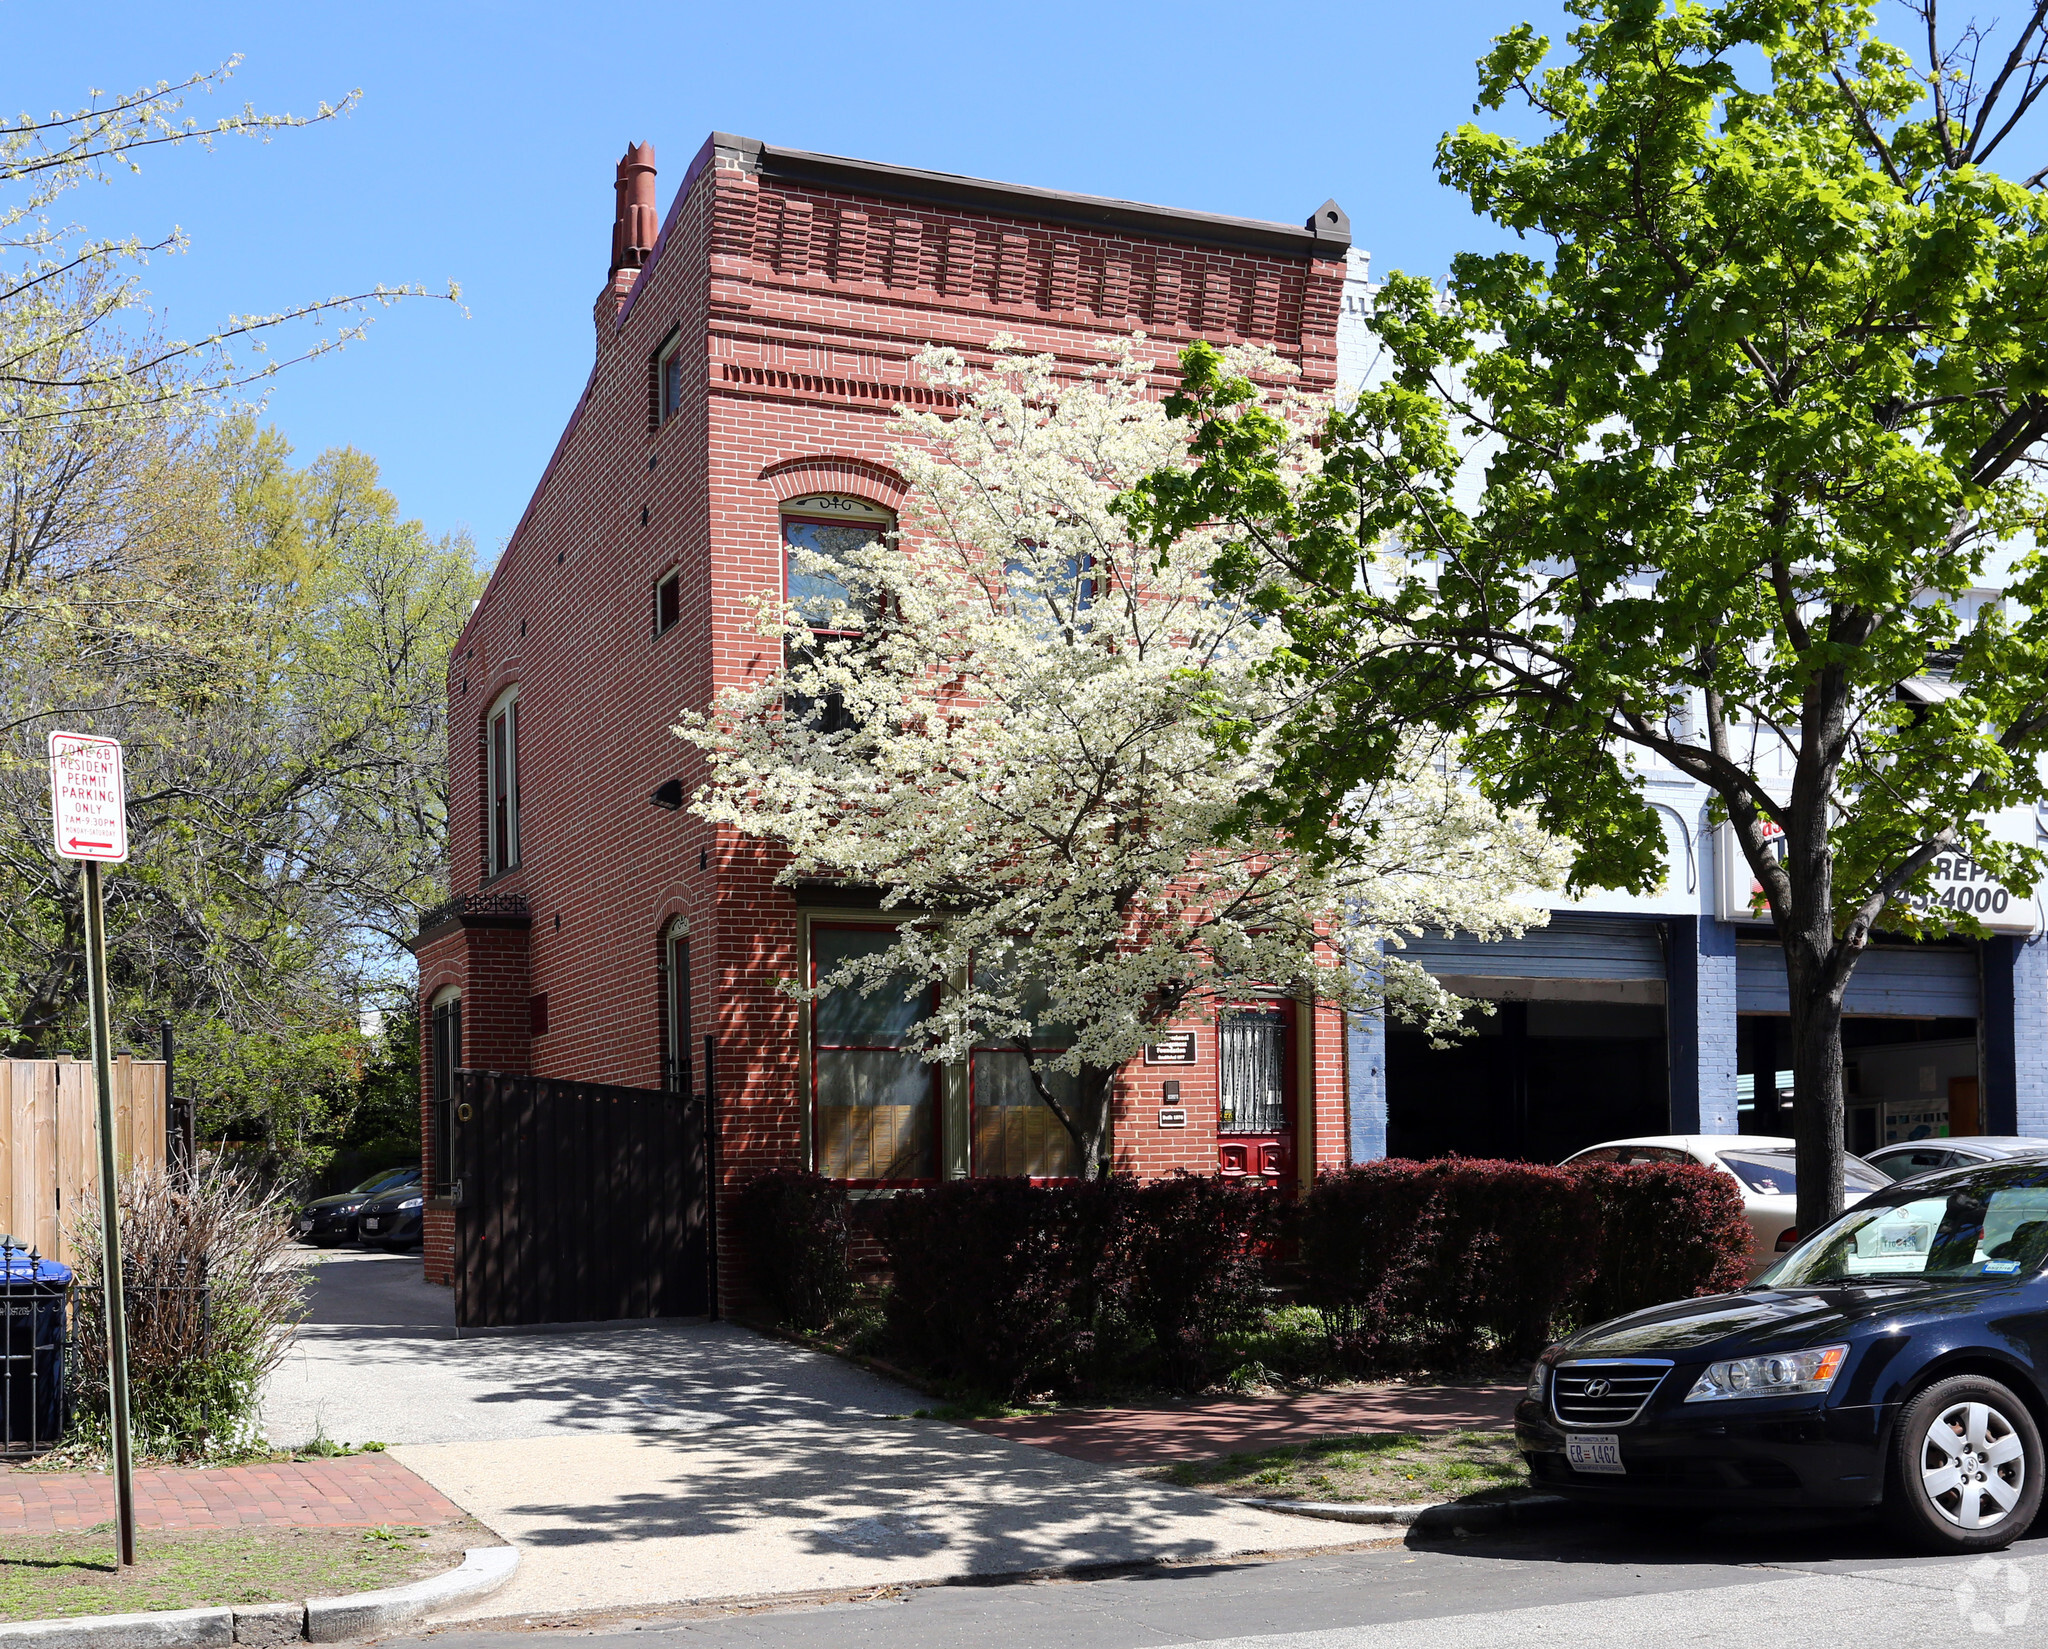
89	810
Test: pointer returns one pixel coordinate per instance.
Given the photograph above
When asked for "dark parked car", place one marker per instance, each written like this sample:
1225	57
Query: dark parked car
327	1221
392	1219
1911	1158
1896	1358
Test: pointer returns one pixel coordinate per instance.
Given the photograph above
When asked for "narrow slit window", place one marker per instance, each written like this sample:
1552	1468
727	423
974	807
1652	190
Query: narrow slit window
668	379
502	742
668	602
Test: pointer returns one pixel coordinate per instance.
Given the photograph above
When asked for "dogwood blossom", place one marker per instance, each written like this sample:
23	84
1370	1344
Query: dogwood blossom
1006	720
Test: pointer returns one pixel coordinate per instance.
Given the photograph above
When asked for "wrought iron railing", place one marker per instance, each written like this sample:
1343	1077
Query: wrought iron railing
474	904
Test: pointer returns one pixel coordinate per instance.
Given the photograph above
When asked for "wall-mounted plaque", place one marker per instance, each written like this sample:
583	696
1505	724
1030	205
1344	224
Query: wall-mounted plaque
1173	1116
1177	1049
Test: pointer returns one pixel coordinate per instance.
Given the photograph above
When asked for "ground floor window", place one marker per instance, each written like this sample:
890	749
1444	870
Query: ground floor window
445	1059
874	1096
1016	1132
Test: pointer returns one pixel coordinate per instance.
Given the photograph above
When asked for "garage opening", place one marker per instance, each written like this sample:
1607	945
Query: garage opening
1534	1081
1909	1044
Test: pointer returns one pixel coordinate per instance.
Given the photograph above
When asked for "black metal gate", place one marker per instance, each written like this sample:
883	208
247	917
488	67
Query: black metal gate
576	1202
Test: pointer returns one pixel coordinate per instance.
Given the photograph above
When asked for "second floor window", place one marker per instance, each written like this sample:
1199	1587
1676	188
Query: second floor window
668	602
502	746
668	379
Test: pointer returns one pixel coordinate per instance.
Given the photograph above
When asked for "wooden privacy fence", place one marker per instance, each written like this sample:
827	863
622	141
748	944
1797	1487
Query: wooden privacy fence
577	1202
49	1141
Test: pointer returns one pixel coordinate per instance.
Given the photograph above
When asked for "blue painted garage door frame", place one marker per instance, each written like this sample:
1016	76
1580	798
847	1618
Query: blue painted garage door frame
1935	981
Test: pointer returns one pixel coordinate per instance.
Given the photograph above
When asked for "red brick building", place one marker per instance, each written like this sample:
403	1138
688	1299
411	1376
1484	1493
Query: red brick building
751	352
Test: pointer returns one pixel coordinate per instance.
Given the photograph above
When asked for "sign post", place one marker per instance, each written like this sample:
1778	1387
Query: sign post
89	808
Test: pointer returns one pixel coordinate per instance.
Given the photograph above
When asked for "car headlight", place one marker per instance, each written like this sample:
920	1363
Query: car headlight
410	1202
1784	1375
1540	1374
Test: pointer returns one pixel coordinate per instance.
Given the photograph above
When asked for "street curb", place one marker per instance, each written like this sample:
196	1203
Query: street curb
1439	1514
319	1620
484	1569
164	1629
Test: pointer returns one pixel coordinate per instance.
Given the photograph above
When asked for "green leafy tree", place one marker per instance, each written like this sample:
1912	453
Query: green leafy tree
1700	478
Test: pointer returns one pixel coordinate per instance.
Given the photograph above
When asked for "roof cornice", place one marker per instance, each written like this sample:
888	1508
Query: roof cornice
1326	234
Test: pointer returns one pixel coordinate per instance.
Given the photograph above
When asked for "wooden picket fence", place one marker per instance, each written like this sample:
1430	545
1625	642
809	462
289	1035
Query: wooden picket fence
49	1141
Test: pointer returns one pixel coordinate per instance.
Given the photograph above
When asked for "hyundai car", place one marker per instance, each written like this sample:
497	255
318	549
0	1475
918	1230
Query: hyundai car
1896	1358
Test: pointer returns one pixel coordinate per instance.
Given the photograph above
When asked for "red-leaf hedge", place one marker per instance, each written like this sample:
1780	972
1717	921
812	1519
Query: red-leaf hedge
1419	1263
1010	1287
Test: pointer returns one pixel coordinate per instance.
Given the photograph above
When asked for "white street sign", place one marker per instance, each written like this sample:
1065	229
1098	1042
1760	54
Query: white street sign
88	798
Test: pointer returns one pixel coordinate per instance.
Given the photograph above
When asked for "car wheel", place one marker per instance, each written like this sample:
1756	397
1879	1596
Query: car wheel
1966	1467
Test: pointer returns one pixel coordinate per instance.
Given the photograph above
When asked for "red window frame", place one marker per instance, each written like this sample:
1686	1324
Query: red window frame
932	1071
974	1111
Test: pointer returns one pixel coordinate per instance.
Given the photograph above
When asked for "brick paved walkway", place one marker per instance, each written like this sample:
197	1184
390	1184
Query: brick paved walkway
357	1491
1197	1431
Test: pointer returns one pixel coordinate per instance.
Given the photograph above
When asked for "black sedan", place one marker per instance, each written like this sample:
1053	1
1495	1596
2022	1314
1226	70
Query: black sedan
1897	1358
393	1220
326	1221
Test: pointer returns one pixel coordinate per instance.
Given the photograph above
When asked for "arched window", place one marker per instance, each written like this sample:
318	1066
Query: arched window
501	743
675	1007
444	1060
821	532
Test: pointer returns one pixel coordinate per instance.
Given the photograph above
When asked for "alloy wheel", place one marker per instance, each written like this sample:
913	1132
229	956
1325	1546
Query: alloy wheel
1973	1465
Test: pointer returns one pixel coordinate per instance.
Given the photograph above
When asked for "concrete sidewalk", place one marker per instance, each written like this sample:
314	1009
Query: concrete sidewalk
690	1462
620	1522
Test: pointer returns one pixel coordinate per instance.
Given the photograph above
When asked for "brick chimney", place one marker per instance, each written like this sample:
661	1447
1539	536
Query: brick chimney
635	223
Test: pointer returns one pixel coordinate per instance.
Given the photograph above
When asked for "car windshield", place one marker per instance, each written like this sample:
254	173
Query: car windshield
1993	1224
383	1181
1771	1173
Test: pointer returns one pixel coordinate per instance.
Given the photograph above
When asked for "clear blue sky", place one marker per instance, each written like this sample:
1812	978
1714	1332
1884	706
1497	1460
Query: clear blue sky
483	148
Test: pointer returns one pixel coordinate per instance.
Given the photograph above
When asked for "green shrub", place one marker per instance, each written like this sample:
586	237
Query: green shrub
795	1232
212	1299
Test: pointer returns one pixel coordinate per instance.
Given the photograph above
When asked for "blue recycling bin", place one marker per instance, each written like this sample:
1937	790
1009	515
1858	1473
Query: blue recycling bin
32	1335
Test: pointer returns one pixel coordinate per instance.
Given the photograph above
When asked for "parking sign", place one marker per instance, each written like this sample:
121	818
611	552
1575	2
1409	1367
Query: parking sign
88	797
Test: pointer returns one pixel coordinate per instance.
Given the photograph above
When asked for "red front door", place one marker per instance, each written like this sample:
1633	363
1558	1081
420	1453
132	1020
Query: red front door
1255	1087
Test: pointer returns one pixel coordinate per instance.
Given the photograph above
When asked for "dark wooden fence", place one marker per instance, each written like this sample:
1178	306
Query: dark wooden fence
576	1202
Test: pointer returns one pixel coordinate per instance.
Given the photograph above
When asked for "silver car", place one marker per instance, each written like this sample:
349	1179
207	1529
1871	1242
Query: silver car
1762	1167
1910	1158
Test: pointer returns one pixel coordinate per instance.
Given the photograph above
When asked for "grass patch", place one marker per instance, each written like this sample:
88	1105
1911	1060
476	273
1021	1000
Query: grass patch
75	1573
1379	1468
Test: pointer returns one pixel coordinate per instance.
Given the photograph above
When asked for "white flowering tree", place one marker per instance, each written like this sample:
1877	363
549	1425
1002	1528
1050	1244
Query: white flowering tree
1005	719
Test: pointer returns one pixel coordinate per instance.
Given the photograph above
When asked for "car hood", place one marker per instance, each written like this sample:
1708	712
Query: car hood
341	1199
1769	1319
388	1201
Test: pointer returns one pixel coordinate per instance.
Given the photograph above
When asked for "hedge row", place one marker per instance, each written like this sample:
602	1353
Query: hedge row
1428	1263
1009	1287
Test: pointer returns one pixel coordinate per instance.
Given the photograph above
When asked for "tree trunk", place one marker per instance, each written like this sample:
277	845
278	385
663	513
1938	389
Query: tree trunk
1093	1094
1817	1098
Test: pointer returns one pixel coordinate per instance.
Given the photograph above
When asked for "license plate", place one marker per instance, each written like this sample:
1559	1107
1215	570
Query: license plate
1595	1451
370	1225
305	1225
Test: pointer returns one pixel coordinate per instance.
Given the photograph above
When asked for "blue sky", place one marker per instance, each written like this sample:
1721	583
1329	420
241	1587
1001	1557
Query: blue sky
483	146
482	152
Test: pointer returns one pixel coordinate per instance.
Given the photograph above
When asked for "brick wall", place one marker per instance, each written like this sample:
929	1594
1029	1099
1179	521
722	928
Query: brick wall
799	308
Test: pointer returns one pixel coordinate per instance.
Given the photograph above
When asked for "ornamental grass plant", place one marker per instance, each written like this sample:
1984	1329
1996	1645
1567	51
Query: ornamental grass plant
213	1298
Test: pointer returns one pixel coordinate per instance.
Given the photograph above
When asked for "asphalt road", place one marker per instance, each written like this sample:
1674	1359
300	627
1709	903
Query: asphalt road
1584	1583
